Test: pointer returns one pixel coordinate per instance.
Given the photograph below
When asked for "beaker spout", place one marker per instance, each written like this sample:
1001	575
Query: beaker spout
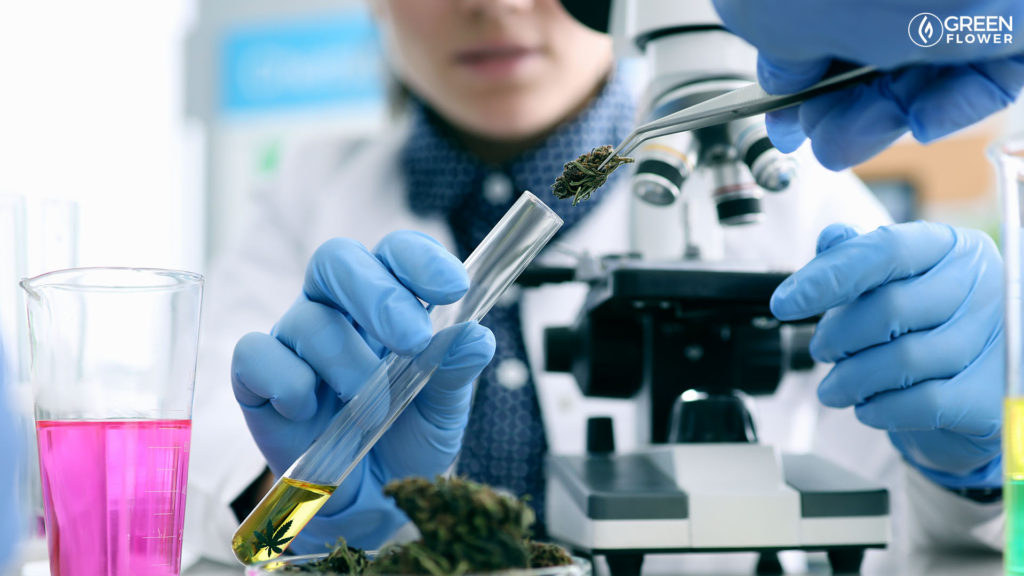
36	286
29	286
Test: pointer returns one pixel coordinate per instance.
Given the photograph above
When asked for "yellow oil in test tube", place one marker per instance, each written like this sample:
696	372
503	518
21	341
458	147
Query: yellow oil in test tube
1013	483
266	534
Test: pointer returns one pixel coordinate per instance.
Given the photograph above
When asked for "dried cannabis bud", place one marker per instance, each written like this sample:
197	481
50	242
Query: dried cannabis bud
465	527
582	175
545	554
343	560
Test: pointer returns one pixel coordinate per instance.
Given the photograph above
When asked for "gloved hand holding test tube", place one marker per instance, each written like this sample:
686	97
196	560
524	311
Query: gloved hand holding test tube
306	486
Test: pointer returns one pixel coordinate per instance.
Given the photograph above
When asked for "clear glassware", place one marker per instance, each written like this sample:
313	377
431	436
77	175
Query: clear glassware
1008	157
296	497
113	371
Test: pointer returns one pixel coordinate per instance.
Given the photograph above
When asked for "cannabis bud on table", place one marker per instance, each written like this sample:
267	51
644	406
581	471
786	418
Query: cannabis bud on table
465	528
582	176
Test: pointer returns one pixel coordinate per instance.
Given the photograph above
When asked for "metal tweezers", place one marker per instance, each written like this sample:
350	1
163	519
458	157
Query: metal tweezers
740	103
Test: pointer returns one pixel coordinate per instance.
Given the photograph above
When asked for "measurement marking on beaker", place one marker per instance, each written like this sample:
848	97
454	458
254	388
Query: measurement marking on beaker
161	491
166	447
164	514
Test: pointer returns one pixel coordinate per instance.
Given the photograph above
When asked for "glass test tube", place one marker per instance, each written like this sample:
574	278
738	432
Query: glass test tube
1008	157
297	496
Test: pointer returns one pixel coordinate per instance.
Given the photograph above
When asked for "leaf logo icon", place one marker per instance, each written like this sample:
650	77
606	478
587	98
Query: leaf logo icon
925	29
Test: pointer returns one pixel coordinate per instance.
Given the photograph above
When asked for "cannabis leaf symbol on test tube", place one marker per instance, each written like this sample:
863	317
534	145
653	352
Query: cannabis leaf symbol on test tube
272	540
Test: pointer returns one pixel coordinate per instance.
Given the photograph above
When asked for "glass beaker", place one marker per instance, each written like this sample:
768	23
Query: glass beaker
1008	157
113	370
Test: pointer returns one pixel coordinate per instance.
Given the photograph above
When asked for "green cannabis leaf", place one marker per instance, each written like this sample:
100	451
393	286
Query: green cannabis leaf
272	540
582	175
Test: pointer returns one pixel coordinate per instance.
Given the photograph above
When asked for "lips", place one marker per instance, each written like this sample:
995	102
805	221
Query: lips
496	59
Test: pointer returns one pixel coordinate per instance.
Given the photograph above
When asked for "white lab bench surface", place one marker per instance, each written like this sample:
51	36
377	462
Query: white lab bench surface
876	563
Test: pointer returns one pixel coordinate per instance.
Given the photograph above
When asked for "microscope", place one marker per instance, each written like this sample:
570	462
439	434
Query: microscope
689	337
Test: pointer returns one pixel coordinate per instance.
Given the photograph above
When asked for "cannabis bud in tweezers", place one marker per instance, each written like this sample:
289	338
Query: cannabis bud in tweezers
582	175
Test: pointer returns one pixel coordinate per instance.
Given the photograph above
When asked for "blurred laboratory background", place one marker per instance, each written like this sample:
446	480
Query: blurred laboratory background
160	120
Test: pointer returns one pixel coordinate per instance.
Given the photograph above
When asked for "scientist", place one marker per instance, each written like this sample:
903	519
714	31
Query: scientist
501	93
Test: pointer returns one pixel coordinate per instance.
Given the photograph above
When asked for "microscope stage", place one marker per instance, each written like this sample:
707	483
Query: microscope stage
712	497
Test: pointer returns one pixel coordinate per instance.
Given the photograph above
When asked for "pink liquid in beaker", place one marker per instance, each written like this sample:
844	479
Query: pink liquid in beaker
114	493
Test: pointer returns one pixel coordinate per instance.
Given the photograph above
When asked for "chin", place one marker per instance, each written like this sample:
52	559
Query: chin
511	131
510	122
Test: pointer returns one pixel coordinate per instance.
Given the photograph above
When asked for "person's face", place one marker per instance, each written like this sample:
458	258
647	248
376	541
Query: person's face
499	69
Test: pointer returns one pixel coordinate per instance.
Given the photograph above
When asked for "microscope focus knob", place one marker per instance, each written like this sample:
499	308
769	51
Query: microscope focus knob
560	348
796	346
600	435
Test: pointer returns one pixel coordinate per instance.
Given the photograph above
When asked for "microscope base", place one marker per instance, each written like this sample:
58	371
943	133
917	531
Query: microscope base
712	498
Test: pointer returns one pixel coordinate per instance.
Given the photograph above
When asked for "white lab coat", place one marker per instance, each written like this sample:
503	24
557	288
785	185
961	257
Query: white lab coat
322	194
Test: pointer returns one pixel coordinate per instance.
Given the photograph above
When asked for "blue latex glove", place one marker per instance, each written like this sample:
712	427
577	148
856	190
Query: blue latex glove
355	306
914	324
952	85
